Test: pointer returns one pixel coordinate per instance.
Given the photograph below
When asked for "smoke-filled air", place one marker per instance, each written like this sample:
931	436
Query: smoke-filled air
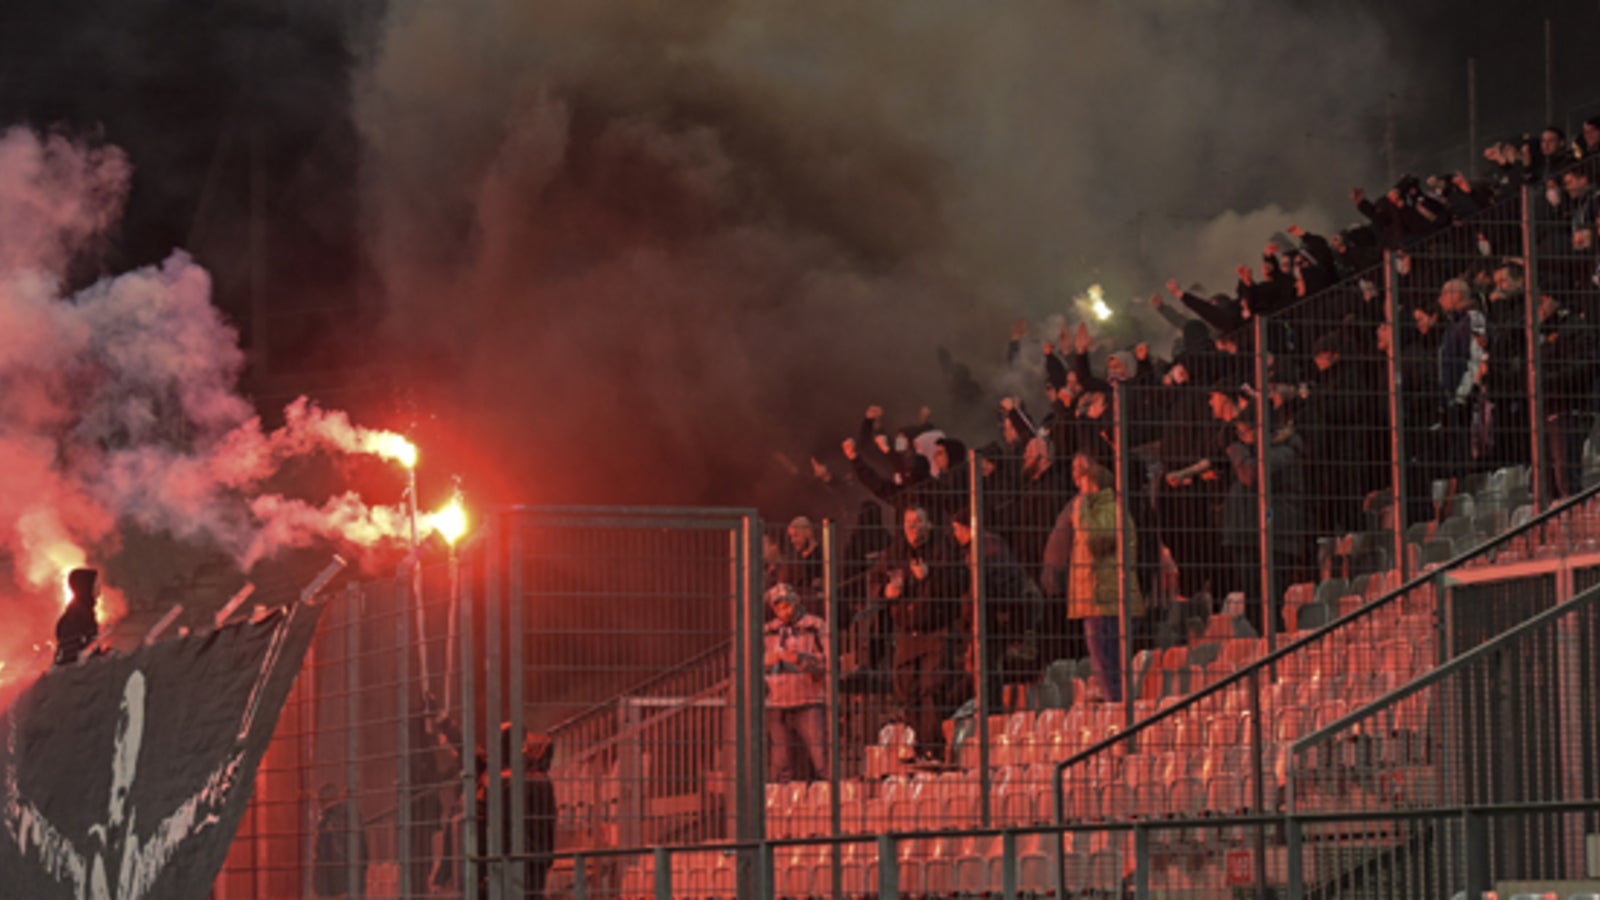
119	411
671	250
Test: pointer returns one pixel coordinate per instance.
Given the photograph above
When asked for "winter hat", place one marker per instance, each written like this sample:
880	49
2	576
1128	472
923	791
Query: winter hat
1130	365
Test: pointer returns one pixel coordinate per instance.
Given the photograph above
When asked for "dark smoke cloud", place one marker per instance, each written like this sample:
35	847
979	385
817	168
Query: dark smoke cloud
654	244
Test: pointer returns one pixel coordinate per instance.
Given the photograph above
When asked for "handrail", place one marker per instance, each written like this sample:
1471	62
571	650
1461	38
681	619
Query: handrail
1586	597
1250	671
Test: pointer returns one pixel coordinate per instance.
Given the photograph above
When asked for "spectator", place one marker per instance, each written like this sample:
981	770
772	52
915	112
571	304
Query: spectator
77	629
796	667
924	579
1463	360
1011	607
1083	558
1569	363
801	566
337	820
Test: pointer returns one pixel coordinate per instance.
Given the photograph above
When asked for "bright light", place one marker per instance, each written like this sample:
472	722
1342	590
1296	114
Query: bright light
393	446
1097	303
450	521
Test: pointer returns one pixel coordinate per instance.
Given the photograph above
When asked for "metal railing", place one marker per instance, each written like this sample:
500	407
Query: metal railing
1243	695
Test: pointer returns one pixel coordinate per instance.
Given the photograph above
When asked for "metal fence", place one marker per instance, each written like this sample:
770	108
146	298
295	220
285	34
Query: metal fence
1510	721
982	613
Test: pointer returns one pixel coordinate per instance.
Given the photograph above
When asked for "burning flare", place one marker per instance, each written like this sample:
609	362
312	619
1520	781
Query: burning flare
450	521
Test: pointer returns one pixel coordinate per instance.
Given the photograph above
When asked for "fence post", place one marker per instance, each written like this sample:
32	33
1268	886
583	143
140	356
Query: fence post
1294	844
1396	410
1008	864
354	602
1530	314
1257	761
980	629
494	797
403	787
1268	597
1141	861
888	869
1123	475
663	874
1475	831
515	680
830	601
580	877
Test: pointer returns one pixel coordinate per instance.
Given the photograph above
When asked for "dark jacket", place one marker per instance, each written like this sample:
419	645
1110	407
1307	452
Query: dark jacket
931	603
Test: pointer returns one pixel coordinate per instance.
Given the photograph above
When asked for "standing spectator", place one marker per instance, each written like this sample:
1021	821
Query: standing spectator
77	629
924	579
796	666
1567	372
801	567
1011	607
336	818
1462	359
1090	570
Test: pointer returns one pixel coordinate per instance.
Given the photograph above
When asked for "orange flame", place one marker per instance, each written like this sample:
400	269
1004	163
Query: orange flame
391	446
450	521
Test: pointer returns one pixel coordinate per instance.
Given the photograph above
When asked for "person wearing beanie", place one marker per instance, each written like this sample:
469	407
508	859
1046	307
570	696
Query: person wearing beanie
76	630
796	667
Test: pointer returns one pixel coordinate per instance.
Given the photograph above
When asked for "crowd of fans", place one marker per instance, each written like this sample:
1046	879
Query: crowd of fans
1189	526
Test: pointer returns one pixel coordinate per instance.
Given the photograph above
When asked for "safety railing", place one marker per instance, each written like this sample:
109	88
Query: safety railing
1223	748
1437	851
1508	721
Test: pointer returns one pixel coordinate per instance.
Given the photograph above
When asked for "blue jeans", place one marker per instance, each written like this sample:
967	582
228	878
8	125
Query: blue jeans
1103	634
797	736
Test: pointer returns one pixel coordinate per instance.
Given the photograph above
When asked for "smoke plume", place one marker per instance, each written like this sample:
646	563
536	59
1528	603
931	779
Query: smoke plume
655	244
118	403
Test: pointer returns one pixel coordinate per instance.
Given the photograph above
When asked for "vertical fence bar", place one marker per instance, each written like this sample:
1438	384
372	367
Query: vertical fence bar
1008	863
888	869
1141	862
1531	292
1267	585
493	713
354	600
467	634
1391	303
1294	845
830	594
516	678
1475	858
1396	413
1123	475
403	787
980	629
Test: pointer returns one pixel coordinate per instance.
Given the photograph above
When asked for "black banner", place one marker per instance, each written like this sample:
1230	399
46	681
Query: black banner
125	776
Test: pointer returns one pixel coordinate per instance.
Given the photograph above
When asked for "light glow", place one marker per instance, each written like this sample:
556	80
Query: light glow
391	446
450	521
1097	303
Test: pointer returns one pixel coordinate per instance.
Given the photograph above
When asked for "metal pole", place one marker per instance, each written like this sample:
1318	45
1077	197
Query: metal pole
1257	762
351	797
888	869
468	755
494	639
1123	475
1397	447
1268	590
516	681
1141	862
744	783
1472	117
1295	843
403	787
980	629
1008	863
1530	324
830	594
